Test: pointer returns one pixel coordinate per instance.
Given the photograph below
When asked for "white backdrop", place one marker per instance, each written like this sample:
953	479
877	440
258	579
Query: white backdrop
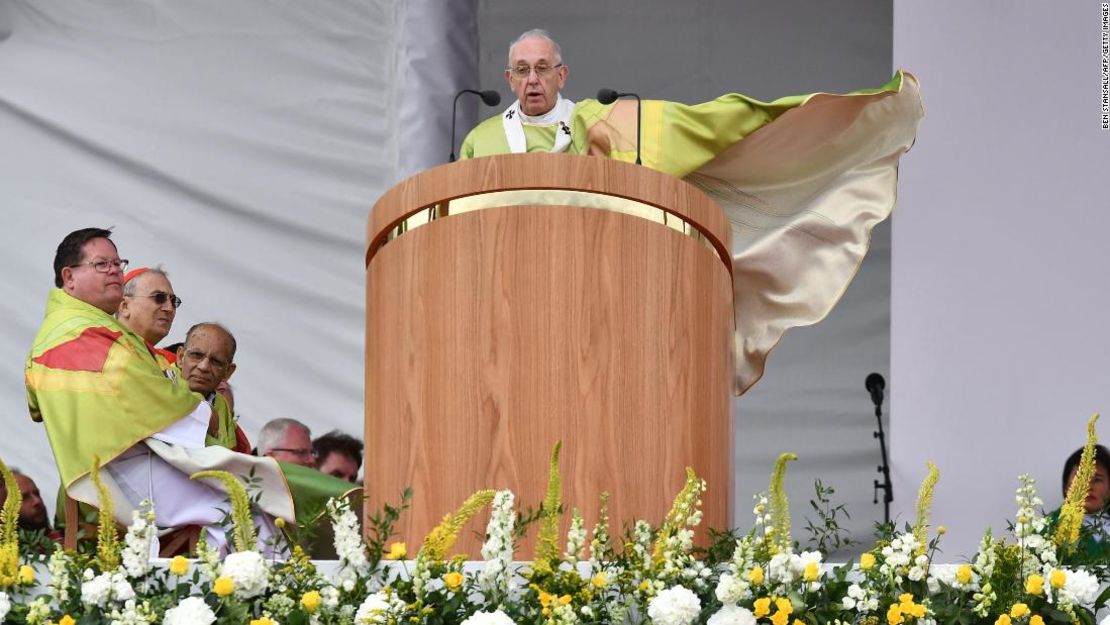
1001	278
239	143
242	144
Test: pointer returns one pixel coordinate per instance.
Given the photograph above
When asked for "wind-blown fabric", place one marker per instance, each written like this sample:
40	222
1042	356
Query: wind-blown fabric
100	391
802	180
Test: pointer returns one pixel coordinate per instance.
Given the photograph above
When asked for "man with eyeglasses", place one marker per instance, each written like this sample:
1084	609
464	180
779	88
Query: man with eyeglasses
802	180
148	308
106	401
206	359
540	118
287	440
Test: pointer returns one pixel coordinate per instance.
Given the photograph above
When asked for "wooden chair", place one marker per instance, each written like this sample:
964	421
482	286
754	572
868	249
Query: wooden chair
177	541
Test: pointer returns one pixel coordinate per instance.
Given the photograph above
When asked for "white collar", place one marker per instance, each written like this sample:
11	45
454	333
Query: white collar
513	122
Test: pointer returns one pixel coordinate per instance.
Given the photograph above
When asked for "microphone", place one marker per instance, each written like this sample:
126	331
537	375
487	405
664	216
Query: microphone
609	96
489	98
875	385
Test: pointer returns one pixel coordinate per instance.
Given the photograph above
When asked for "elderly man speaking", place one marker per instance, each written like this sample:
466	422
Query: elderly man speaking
802	179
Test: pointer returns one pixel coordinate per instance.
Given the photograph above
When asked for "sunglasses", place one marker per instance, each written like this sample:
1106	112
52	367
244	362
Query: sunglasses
161	298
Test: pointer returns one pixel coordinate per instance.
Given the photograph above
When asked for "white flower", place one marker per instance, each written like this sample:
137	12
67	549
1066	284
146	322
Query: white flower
674	606
496	577
101	589
329	595
497	617
781	568
248	570
378	608
732	615
347	540
1080	588
59	576
1105	620
732	589
5	605
137	543
191	611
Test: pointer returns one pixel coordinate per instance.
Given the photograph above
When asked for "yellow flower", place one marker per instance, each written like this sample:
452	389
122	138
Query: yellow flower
564	600
279	523
780	618
1003	619
761	607
917	610
905	597
1019	610
265	620
1036	620
798	621
866	561
67	620
453	580
545	598
601	580
223	586
311	601
811	572
964	574
179	565
784	605
941	530
1057	579
894	615
26	575
645	586
1035	585
755	575
397	551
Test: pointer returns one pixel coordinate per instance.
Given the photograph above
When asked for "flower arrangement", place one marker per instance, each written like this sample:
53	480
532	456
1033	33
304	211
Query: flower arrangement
648	574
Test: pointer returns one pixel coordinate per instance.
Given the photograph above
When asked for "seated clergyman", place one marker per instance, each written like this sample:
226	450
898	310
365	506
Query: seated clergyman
148	308
104	397
207	360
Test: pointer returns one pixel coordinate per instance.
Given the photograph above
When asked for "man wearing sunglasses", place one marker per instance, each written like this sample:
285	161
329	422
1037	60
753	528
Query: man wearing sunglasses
148	308
104	398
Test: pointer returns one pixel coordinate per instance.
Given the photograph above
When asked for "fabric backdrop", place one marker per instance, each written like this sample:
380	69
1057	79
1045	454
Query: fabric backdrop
242	144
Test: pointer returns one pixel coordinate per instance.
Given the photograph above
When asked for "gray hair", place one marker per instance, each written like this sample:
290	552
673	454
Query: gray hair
218	326
130	287
537	33
271	434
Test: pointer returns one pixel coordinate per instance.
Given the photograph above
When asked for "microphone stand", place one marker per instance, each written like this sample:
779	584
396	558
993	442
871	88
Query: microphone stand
885	485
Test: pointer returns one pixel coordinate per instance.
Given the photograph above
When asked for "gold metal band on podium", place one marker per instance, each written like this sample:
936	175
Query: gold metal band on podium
551	197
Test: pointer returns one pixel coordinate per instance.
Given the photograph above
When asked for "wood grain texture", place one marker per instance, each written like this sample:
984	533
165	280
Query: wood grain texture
547	171
491	335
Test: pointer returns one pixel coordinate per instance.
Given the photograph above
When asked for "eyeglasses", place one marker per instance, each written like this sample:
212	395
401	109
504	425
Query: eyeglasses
521	72
104	266
161	298
300	453
199	357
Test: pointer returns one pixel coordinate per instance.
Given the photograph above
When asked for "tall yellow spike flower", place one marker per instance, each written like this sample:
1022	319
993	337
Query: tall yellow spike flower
684	506
9	534
1071	512
780	505
107	540
547	538
243	524
443	536
924	507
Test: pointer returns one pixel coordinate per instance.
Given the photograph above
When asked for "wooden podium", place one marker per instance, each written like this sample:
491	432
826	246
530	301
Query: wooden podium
519	300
